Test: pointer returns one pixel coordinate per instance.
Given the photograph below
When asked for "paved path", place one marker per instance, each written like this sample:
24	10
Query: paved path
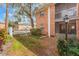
5	48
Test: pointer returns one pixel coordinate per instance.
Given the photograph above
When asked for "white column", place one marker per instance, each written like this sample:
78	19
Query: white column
49	21
10	31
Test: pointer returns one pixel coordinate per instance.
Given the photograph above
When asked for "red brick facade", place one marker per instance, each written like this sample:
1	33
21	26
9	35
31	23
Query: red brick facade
52	19
77	22
2	25
44	19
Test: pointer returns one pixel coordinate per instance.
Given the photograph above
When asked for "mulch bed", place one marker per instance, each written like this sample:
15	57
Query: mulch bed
49	45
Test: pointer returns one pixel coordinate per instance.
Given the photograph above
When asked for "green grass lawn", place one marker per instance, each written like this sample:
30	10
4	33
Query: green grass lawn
18	49
25	45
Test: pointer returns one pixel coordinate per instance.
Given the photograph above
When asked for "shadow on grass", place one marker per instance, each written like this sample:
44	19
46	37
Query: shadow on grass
32	43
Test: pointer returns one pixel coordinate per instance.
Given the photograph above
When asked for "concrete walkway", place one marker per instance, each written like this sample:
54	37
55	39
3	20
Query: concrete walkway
5	48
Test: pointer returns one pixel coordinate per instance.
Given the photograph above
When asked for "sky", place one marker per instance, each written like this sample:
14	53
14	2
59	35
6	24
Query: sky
3	12
10	13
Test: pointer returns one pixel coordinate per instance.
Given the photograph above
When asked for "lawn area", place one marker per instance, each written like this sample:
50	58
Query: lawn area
24	45
18	49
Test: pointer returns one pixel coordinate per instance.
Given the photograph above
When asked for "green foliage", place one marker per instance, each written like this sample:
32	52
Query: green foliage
62	47
16	46
3	34
73	51
29	42
71	47
8	38
10	24
36	32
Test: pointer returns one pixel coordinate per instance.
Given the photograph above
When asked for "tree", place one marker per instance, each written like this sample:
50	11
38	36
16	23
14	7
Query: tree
27	10
32	22
6	18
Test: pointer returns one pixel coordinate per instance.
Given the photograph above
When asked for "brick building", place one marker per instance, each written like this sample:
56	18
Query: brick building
45	20
21	27
50	17
77	21
17	27
62	10
2	25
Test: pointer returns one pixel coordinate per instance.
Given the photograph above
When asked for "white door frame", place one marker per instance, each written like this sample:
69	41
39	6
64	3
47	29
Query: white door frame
49	21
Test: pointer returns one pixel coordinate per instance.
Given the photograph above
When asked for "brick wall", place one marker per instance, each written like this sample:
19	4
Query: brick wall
2	25
44	19
77	22
64	6
52	19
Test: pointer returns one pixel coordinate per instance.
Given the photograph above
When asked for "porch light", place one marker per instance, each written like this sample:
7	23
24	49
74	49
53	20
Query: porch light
66	20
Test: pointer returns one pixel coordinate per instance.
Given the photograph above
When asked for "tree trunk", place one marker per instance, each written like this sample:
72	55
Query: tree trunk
32	22
6	19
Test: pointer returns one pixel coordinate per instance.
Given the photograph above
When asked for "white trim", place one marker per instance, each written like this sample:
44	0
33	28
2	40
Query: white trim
10	29
49	21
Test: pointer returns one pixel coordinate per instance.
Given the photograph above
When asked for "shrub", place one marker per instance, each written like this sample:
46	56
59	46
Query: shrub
10	24
61	47
71	47
36	32
73	51
8	38
3	34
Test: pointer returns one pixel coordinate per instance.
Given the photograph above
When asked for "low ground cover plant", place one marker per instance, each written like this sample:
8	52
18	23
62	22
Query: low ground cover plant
71	47
36	31
4	36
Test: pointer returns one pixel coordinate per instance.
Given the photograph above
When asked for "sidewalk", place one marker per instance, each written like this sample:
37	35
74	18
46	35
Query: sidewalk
5	48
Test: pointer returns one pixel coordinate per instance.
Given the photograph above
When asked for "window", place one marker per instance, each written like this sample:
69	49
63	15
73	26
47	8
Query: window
42	14
71	12
58	15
